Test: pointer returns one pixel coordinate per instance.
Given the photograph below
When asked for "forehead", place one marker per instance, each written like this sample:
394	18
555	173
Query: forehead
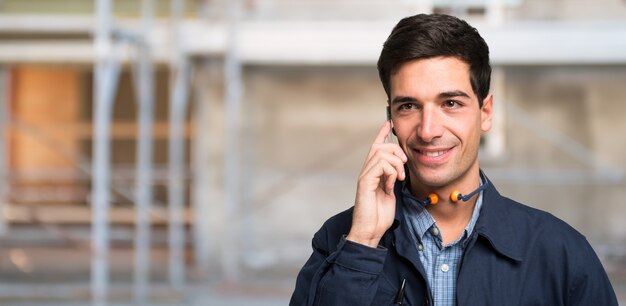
431	76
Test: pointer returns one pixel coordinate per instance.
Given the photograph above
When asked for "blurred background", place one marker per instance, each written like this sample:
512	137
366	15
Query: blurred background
185	152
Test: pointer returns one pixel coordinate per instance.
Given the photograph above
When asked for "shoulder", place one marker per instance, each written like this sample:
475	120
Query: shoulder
553	250
548	227
522	232
540	226
551	242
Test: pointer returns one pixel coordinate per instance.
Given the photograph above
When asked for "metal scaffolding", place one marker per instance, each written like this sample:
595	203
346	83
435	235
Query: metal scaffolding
4	94
106	74
144	82
179	96
105	80
232	74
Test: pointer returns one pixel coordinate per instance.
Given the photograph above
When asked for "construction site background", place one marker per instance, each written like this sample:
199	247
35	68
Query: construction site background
185	152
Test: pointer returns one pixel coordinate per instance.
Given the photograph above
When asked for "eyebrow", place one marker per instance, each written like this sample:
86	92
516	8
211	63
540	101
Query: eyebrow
443	95
452	94
402	99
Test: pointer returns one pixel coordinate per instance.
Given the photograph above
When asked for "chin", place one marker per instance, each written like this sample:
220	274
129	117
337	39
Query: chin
434	182
433	178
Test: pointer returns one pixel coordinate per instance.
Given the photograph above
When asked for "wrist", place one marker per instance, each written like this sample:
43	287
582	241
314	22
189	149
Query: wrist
371	242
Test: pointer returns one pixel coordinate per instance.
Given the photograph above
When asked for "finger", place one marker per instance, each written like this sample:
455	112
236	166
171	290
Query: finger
381	174
389	183
383	132
390	178
388	147
390	158
397	151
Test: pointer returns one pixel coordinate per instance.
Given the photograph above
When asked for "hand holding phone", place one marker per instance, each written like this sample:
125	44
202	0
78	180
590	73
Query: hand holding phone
375	203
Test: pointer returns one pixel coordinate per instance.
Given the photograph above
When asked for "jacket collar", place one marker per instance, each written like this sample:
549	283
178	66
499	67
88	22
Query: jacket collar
499	226
495	223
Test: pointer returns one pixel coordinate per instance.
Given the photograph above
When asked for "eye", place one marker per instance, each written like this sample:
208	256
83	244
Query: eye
407	106
452	104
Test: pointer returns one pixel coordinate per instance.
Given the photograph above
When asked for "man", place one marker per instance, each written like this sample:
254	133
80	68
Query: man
427	226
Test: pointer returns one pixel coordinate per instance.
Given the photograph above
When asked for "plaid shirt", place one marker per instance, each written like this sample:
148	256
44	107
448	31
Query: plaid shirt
440	262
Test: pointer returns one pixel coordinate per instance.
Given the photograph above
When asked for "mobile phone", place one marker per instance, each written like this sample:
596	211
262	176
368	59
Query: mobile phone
389	139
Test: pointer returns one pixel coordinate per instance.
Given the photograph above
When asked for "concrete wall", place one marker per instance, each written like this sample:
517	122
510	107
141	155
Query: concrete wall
584	104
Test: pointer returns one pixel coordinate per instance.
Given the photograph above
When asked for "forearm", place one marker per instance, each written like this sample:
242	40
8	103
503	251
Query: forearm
348	276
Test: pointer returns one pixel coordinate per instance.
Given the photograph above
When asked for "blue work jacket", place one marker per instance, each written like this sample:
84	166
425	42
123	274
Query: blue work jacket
516	255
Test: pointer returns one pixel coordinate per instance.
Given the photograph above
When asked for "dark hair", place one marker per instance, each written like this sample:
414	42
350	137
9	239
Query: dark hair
425	36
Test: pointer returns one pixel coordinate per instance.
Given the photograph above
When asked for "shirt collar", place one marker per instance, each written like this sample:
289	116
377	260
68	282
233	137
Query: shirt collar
422	220
415	212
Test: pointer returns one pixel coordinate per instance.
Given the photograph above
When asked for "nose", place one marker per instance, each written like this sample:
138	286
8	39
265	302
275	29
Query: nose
430	126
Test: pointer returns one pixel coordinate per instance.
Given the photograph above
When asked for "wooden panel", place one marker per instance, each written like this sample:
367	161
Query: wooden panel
44	97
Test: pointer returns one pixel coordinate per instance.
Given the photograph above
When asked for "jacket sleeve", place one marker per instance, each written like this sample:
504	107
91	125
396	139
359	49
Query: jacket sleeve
591	285
347	275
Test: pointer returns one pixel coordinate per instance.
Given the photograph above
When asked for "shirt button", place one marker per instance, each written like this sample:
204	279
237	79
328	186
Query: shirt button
435	231
445	268
420	247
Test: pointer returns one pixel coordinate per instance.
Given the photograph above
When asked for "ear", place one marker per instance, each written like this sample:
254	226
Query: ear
486	112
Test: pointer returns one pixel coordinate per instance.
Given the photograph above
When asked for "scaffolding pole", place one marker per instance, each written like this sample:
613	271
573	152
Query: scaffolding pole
179	95
4	114
232	73
495	12
145	98
106	74
495	140
201	169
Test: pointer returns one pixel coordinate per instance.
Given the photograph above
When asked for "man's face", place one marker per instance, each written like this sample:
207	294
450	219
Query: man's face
437	120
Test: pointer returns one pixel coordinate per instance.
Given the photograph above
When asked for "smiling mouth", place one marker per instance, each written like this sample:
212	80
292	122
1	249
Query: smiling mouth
432	153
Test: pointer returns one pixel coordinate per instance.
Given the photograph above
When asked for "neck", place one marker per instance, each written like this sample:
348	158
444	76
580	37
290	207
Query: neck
446	211
451	217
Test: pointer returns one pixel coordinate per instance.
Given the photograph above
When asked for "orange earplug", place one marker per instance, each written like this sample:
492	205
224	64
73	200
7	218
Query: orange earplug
454	196
434	198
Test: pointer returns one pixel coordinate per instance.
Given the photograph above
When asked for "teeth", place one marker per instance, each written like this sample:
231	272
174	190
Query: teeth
437	153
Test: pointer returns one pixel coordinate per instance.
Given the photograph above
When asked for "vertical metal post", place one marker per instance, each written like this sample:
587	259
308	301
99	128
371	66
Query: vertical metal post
201	170
495	144
230	247
106	74
145	99
495	12
177	178
249	241
4	152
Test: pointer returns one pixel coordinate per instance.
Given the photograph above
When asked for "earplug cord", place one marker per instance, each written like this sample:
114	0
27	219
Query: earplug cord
455	196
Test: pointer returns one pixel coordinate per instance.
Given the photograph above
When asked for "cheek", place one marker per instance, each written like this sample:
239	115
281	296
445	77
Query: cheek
468	132
402	129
